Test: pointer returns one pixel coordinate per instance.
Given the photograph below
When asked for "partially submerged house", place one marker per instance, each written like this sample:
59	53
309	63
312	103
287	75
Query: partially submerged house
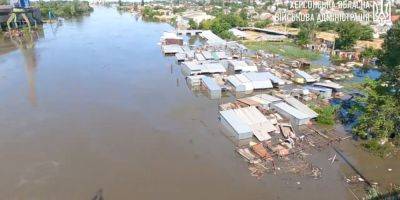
172	49
300	106
212	39
169	38
296	116
247	82
329	84
259	80
303	77
212	86
275	80
214	55
246	122
323	92
194	67
239	66
240	83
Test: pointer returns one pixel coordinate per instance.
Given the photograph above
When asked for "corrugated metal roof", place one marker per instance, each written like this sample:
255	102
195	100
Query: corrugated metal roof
332	85
260	100
199	57
242	78
170	35
259	80
212	38
221	55
234	81
269	98
242	65
274	78
210	83
300	106
193	66
305	75
317	88
291	110
207	55
235	122
214	68
173	48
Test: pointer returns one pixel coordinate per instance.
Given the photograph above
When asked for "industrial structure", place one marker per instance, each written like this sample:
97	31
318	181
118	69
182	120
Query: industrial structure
19	13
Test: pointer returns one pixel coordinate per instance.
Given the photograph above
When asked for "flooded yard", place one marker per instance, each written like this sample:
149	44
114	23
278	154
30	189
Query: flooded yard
93	105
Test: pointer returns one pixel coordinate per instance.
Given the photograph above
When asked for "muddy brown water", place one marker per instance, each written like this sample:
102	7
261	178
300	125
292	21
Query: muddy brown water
92	107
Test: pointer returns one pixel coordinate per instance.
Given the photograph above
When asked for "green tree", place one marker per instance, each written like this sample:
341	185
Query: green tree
192	24
349	32
306	32
380	118
370	53
222	23
327	26
263	23
390	59
243	14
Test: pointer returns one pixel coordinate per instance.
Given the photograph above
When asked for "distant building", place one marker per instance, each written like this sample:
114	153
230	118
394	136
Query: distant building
196	16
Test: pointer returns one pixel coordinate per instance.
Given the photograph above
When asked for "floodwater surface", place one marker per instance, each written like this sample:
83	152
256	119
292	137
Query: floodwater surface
93	106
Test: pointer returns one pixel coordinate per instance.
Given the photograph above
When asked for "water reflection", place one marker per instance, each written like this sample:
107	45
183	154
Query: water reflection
26	45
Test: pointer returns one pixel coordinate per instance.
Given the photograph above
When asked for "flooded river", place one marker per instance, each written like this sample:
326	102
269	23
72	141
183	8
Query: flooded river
93	105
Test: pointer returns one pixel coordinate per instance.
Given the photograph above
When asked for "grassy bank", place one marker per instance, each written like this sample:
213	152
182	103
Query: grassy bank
65	9
285	48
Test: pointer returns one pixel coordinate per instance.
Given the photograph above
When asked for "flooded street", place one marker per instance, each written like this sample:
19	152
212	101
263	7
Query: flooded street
94	105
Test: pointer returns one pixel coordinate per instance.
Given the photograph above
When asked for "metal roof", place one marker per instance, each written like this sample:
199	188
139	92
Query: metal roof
173	48
192	65
329	84
305	75
207	55
210	83
274	78
269	98
199	57
212	38
259	80
235	122
291	110
300	106
213	68
170	35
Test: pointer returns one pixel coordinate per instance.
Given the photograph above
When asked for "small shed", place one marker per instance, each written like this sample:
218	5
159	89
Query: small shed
240	83
170	38
323	92
213	67
302	74
241	66
171	49
194	80
259	80
275	80
240	129
213	88
191	68
300	106
295	116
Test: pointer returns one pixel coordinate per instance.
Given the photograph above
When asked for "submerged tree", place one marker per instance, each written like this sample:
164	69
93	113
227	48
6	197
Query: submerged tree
380	119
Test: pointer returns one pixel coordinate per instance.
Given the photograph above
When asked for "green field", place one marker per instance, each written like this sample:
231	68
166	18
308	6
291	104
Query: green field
285	48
